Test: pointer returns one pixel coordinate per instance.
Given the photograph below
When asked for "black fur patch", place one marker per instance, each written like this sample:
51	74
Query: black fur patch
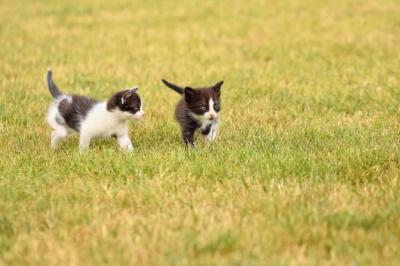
74	112
206	131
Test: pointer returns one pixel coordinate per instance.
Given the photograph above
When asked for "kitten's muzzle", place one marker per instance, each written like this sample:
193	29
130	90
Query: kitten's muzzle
212	117
139	115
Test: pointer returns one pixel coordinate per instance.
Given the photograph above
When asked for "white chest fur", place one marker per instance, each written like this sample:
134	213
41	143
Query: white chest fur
100	122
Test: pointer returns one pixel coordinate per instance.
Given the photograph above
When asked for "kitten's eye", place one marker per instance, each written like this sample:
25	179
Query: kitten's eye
217	106
134	110
203	108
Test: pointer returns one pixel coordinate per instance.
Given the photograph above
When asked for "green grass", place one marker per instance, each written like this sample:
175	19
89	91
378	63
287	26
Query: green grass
306	169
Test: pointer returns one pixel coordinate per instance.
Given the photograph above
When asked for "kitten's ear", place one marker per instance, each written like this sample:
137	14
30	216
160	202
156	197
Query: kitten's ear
217	87
189	94
134	90
125	96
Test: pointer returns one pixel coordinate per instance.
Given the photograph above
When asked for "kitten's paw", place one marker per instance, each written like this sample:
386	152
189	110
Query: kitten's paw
190	145
209	138
83	149
129	149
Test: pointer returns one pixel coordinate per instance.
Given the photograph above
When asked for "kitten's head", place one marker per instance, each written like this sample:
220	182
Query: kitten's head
204	103
127	103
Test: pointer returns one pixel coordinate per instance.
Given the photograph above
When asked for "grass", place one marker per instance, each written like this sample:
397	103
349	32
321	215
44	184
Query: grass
306	167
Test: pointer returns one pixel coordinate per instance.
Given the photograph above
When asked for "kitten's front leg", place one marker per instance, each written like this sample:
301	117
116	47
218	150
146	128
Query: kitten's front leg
213	133
210	132
188	136
84	142
125	142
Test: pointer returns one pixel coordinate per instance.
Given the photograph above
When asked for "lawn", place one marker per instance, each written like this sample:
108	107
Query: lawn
305	170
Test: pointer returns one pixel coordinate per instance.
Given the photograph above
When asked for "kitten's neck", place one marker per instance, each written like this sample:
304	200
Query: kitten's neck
116	115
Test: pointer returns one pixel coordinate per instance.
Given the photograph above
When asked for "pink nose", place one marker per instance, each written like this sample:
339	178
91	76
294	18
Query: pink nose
212	117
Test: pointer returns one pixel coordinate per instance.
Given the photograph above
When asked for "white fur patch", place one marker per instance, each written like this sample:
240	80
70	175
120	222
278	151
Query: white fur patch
211	112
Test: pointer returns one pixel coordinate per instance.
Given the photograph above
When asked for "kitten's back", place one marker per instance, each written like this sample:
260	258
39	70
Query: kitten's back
74	109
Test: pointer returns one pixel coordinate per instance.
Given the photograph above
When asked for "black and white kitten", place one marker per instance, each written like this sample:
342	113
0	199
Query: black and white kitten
197	110
91	118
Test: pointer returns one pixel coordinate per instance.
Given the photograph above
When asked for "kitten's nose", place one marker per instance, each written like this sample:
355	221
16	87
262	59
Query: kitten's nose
212	117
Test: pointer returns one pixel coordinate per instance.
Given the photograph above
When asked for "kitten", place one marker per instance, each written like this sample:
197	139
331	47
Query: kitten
91	118
197	110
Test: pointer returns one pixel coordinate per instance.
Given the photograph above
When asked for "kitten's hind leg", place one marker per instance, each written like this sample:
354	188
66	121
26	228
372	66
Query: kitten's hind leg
58	134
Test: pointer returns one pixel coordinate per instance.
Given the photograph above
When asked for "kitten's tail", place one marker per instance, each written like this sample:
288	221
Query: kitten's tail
54	90
176	88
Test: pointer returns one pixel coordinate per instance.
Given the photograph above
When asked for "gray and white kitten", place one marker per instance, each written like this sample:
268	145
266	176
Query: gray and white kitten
91	118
